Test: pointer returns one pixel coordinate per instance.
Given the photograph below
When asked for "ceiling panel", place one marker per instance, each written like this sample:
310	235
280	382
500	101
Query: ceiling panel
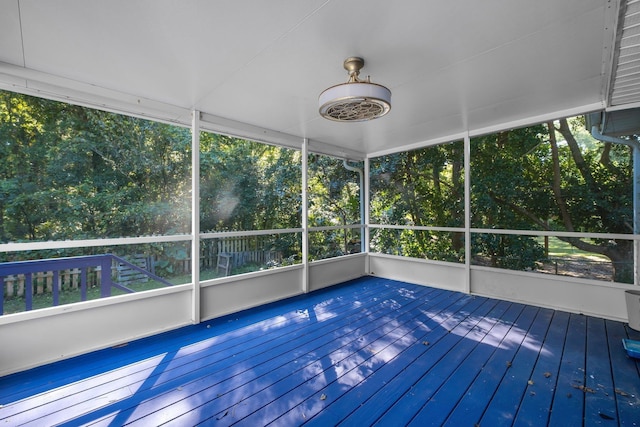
176	52
10	36
451	66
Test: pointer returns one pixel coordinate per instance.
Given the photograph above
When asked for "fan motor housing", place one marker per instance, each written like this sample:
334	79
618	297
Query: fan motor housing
356	100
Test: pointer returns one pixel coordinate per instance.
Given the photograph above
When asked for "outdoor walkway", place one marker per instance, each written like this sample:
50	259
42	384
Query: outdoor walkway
365	352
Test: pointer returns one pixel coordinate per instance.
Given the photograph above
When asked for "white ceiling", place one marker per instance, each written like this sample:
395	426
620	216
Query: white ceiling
452	66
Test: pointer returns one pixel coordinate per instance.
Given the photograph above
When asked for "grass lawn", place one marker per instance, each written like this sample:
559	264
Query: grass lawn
560	249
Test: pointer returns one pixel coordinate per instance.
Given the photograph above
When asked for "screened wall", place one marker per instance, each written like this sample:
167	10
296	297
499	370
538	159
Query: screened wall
113	192
105	202
547	198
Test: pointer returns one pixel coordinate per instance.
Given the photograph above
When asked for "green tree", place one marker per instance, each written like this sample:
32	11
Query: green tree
246	185
423	187
508	169
596	197
334	200
545	178
70	172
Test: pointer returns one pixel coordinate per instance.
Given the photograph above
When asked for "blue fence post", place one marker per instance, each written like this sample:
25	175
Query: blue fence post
83	283
55	288
2	290
105	276
28	291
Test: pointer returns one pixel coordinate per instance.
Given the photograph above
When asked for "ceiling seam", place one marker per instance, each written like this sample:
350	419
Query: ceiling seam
24	61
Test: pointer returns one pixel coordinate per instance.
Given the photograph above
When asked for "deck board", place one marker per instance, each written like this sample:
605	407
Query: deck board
600	404
568	400
459	355
255	356
530	404
311	359
503	339
64	372
341	397
368	352
625	376
371	410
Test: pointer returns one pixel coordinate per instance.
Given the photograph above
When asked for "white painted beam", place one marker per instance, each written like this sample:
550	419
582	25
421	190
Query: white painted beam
195	216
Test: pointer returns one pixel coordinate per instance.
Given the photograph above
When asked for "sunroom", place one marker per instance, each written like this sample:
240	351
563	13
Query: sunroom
485	226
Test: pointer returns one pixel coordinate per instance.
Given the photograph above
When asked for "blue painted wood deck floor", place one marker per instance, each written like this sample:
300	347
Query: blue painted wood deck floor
370	351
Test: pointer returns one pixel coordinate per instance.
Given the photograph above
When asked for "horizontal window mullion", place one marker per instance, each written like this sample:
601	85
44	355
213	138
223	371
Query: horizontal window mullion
335	227
67	244
224	234
417	227
541	233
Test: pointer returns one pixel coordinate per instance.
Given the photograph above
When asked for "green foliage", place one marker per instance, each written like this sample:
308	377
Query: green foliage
70	172
169	258
431	245
550	177
509	251
245	185
424	187
334	192
533	178
334	200
511	166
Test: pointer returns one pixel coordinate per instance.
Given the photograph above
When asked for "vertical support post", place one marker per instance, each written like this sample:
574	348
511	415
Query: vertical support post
195	216
55	287
367	214
467	212
28	292
636	213
305	220
83	285
2	290
105	271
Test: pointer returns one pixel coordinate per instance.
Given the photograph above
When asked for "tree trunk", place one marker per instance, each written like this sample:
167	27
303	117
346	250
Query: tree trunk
557	180
621	257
